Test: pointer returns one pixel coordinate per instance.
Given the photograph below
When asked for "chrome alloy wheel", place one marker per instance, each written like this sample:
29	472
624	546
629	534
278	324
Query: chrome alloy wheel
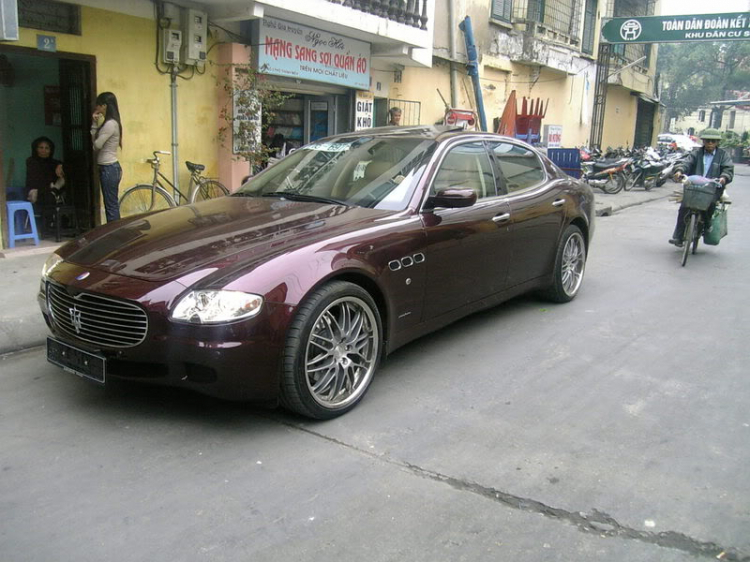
342	352
573	264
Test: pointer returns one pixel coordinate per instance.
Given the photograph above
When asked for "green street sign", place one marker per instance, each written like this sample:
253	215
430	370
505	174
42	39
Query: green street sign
671	29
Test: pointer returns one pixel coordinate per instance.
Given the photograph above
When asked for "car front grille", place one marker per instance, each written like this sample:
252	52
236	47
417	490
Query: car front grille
99	320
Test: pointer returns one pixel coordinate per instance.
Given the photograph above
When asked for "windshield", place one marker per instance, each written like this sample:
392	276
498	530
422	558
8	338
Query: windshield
375	172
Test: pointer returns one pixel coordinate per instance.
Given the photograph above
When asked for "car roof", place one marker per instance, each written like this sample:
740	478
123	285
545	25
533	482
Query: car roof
438	133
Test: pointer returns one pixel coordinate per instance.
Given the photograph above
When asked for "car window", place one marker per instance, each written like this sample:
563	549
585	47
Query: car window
466	166
380	173
520	167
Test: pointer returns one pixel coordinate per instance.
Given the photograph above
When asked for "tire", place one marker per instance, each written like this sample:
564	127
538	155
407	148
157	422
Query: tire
614	184
697	235
209	189
332	351
137	200
630	180
688	238
570	264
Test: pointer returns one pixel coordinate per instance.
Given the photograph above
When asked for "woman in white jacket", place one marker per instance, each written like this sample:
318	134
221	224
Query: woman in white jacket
106	132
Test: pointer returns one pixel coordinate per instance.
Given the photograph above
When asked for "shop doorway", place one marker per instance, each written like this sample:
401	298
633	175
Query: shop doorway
644	124
304	118
49	95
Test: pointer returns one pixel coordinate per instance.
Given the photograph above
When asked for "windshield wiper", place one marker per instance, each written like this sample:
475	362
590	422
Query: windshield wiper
302	197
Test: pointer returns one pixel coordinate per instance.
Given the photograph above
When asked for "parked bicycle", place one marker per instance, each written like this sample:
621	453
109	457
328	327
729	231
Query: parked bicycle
144	197
699	194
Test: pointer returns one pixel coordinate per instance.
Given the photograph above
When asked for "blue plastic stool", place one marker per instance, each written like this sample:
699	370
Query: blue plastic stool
13	207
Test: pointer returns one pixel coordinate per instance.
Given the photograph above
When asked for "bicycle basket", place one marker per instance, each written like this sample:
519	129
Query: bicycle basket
699	197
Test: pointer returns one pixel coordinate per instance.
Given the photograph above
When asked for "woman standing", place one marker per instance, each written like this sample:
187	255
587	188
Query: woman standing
106	132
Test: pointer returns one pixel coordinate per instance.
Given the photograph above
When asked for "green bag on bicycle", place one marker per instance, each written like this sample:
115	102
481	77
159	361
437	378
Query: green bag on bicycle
717	227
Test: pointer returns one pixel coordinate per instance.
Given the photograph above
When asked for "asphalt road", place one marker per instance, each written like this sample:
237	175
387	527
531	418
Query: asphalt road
615	427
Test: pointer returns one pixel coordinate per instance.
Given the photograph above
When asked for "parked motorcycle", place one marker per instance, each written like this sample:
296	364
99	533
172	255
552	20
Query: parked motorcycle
606	174
646	170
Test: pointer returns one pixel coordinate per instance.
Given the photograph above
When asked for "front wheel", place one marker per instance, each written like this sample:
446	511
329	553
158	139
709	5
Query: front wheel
570	264
138	200
689	238
615	183
697	234
332	351
209	189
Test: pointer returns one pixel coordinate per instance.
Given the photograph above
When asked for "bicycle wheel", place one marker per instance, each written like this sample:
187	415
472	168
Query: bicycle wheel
137	200
208	189
688	238
697	234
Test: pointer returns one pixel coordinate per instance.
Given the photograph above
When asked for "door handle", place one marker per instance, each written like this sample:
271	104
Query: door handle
501	218
558	202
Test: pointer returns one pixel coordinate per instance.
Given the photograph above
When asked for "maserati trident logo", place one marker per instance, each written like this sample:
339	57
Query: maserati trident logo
75	318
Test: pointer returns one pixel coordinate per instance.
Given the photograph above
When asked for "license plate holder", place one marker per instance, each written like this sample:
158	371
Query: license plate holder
85	364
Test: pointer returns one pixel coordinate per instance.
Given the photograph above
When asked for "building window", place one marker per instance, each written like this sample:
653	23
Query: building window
48	15
589	27
732	115
702	116
501	9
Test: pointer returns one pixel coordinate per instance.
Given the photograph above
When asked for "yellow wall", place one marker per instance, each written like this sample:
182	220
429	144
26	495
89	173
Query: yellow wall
568	105
619	118
124	47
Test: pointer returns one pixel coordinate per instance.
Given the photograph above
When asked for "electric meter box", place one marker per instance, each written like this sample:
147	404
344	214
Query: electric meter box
8	20
195	35
172	42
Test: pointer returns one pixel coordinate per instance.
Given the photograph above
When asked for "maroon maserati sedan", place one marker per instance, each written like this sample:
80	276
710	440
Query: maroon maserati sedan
294	288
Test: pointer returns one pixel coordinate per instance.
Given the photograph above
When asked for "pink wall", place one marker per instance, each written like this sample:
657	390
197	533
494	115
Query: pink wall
231	171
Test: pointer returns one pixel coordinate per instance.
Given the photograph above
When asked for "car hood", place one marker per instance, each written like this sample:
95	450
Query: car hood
213	234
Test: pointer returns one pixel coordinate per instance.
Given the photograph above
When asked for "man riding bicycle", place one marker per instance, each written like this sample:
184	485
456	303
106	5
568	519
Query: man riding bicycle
709	161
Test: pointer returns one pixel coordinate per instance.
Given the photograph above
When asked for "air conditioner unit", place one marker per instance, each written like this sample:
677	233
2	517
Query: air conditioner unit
8	20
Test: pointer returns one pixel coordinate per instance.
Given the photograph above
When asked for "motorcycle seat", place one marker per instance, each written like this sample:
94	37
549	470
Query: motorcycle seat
601	165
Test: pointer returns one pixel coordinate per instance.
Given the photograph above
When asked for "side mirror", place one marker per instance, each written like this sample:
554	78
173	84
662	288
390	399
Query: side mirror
453	198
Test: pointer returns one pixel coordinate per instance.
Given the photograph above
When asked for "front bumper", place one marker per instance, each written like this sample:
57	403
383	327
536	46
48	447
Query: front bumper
235	361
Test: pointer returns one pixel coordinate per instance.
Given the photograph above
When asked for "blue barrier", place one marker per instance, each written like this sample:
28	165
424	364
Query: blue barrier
568	159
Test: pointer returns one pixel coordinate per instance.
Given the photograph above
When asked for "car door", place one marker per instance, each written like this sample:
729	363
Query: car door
467	248
537	209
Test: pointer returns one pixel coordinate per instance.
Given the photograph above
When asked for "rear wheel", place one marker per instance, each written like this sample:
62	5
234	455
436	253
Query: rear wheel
138	200
570	264
332	351
209	189
688	238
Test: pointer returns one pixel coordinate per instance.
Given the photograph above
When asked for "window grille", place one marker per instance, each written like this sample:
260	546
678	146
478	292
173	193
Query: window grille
562	16
410	111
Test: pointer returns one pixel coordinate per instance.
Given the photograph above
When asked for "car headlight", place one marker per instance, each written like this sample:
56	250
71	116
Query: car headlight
212	307
52	262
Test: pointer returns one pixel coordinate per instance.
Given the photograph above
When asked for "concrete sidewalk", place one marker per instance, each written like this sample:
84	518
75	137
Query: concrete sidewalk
22	324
